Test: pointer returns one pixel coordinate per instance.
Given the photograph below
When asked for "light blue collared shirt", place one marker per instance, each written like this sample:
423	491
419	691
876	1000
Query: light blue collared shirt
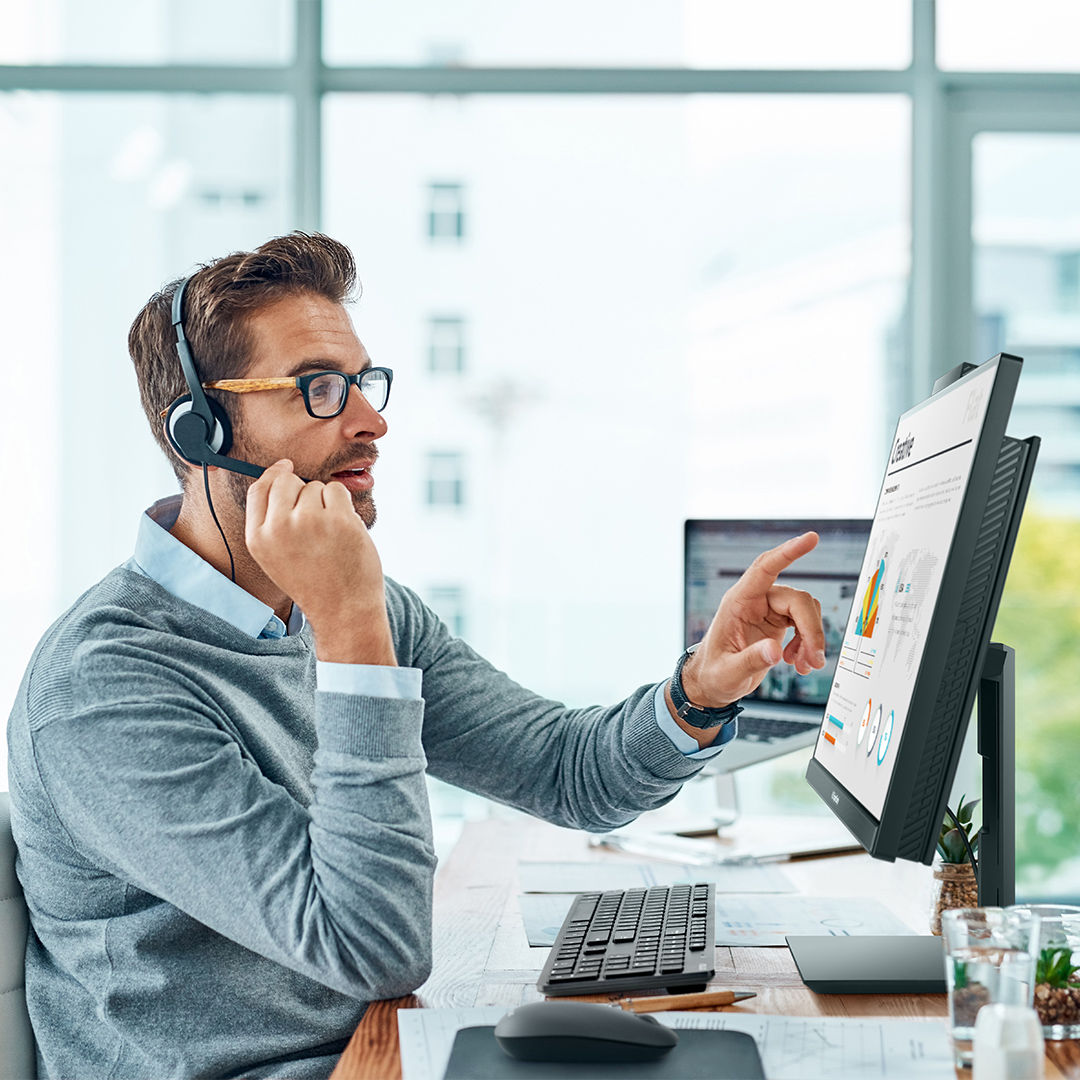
177	569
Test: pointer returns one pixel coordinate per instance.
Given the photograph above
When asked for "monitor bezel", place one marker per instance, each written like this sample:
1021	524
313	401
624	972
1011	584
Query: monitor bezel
881	836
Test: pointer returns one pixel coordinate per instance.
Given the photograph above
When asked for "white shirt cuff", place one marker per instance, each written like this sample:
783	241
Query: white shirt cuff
686	744
369	680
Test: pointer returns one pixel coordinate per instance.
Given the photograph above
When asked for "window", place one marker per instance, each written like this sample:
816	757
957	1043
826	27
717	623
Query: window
147	32
1026	280
1027	290
445	479
858	34
446	213
446	344
1008	35
448	602
1069	280
667	234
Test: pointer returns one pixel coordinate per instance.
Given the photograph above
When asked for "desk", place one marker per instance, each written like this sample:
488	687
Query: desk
481	956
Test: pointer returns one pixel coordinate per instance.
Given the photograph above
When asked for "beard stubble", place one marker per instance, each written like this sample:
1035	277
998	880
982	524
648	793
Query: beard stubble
250	450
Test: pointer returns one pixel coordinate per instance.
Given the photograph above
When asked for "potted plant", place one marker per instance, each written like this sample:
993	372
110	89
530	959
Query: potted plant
955	883
1057	992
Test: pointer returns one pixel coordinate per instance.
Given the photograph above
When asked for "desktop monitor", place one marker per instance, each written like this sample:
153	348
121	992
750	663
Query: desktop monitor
917	636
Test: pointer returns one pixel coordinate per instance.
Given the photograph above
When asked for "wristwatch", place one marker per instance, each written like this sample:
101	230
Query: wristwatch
698	716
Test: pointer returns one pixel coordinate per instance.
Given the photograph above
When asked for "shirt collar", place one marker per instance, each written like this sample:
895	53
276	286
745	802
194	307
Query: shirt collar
177	569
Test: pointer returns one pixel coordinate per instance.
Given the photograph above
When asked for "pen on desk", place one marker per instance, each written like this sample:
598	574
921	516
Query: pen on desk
666	849
684	1001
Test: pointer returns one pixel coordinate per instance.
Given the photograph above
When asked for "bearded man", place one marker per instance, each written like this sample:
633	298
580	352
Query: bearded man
217	755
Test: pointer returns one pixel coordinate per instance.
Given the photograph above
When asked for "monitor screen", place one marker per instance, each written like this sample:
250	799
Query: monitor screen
718	552
925	481
928	589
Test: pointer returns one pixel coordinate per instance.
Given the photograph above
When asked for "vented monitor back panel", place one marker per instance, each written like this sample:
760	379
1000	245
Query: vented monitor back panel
928	592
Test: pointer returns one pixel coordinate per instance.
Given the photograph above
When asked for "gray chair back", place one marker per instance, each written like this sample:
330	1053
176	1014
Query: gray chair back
18	1056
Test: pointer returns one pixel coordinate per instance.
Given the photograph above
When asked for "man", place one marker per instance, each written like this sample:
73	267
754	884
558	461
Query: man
217	755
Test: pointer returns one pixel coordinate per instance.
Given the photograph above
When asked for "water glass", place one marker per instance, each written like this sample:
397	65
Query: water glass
1057	987
990	956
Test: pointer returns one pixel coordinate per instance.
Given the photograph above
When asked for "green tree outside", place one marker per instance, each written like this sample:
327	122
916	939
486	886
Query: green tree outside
1040	618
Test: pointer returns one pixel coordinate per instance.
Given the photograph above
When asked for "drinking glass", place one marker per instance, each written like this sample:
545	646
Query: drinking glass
990	956
1057	991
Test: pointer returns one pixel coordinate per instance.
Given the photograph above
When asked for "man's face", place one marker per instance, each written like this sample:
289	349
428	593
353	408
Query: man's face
295	336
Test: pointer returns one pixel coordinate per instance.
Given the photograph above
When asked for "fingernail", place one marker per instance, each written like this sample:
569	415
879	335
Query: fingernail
819	656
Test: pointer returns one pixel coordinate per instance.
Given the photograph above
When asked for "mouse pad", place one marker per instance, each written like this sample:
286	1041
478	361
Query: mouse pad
711	1055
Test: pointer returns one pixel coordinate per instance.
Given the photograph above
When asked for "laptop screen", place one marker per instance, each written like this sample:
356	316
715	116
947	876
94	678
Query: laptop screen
717	553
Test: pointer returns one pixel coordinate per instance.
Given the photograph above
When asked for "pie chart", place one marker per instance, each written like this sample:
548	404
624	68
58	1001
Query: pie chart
868	611
873	731
886	737
864	723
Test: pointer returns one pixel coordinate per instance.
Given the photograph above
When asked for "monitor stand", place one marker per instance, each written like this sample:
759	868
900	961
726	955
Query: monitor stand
870	965
997	748
915	964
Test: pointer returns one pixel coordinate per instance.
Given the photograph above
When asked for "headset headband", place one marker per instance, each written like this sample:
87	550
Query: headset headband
196	446
199	405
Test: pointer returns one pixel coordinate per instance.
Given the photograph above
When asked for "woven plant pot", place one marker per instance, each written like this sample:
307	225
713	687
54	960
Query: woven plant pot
954	887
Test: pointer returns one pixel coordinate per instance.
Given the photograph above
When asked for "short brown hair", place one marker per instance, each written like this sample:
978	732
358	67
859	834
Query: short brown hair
218	302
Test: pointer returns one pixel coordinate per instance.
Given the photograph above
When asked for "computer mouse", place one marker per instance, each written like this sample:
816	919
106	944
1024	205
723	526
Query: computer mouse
580	1031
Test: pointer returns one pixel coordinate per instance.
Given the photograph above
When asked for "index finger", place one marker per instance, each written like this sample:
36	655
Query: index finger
258	496
769	565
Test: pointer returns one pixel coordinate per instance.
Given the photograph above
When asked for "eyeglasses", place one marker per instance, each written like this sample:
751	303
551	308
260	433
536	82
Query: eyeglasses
325	392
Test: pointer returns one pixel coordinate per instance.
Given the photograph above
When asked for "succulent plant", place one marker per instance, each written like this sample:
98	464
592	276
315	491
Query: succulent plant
950	843
1055	966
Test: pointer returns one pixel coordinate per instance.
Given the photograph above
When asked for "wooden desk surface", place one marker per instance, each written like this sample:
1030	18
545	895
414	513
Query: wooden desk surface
482	957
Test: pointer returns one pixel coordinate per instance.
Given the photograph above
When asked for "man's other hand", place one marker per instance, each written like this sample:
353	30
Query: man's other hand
313	545
746	635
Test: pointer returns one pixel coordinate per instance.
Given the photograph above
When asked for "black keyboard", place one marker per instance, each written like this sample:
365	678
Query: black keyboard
764	729
634	939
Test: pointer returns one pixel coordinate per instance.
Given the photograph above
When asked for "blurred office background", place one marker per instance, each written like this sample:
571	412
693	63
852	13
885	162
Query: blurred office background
632	261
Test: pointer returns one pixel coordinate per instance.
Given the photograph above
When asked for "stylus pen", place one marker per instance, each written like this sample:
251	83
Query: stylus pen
684	1001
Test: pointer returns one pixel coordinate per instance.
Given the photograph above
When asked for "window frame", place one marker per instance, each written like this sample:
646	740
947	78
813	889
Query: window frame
948	109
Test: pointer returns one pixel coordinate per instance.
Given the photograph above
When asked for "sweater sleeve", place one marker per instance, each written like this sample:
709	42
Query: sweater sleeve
590	768
339	891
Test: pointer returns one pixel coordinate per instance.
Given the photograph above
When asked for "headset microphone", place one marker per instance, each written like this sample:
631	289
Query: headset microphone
197	427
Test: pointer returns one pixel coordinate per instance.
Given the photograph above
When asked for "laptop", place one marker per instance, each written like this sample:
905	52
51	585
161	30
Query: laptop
786	710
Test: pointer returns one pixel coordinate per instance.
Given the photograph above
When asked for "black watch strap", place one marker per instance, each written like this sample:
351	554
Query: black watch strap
698	716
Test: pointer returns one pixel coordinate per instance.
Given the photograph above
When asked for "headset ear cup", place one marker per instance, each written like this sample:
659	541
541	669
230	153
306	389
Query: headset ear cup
187	433
222	440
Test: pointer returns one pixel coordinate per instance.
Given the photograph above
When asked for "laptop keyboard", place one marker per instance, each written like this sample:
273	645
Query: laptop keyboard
763	729
634	939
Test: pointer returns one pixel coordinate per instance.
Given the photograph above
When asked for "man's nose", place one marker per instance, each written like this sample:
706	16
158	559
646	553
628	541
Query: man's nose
360	417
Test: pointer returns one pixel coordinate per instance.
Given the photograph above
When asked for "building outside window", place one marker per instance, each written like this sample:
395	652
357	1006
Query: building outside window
448	602
445	479
446	344
446	211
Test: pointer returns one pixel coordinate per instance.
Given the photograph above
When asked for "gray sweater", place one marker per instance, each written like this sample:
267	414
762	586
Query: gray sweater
223	865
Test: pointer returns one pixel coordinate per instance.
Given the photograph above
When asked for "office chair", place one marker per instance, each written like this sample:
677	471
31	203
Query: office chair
18	1056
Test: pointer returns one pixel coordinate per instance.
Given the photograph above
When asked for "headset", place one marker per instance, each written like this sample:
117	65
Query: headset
197	427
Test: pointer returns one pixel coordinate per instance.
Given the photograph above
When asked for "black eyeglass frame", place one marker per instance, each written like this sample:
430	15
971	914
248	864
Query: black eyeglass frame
302	383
